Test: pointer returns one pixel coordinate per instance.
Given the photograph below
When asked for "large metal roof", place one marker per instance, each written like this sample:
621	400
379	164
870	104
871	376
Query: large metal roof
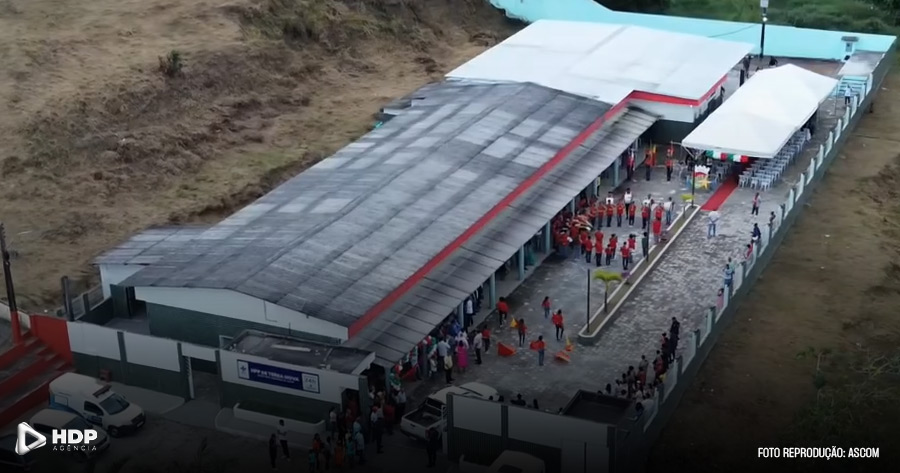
335	240
150	245
607	61
412	318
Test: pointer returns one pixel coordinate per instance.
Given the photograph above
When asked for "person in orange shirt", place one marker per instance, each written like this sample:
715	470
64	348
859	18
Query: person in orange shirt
632	210
614	240
670	166
620	212
648	164
610	210
645	216
658	212
632	241
657	229
610	253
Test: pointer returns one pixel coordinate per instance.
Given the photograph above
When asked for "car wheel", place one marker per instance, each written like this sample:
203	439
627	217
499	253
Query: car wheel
113	431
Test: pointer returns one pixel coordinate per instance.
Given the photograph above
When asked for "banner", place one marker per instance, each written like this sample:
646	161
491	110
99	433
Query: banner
278	376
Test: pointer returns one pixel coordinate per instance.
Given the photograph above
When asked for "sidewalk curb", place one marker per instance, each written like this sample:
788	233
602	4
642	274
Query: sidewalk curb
591	339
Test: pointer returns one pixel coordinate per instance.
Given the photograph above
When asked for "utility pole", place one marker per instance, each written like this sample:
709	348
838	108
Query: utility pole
10	289
764	6
588	326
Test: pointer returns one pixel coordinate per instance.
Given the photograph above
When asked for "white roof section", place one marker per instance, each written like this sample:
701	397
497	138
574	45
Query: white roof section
606	62
760	117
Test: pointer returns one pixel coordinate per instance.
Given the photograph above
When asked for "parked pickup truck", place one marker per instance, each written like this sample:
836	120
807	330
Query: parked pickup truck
431	414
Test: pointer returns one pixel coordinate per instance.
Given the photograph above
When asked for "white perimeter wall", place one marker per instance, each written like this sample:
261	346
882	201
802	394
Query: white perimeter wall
238	306
568	434
90	339
95	340
114	274
668	111
331	383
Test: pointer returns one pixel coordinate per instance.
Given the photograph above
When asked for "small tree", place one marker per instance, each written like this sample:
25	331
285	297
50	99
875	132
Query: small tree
607	278
171	64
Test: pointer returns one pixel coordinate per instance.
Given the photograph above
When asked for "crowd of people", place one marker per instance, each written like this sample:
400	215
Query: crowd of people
636	383
580	233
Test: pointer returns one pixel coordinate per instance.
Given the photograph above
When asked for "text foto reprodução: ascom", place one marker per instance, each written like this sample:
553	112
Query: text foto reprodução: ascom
817	452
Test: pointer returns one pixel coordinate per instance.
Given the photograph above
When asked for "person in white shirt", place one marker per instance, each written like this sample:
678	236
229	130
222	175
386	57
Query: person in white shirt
478	343
668	207
713	221
282	439
848	94
628	196
461	337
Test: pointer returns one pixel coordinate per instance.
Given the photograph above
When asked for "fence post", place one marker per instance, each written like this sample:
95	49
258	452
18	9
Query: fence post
830	142
847	115
820	158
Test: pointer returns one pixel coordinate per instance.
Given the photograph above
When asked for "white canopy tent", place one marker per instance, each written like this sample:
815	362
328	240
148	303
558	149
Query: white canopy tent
760	117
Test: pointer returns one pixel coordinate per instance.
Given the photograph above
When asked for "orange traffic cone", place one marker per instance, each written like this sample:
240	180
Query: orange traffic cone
569	346
505	350
563	356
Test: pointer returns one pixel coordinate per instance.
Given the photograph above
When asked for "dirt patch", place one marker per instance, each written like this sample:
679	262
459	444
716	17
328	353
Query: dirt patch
811	358
96	143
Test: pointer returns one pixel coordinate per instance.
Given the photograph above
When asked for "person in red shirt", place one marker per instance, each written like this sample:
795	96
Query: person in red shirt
629	166
614	240
658	212
610	253
632	210
670	166
557	320
626	256
502	310
632	242
657	230
645	216
648	164
588	246
540	346
620	212
610	210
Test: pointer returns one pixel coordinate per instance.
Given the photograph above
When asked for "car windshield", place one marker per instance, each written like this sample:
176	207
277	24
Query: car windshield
77	423
114	404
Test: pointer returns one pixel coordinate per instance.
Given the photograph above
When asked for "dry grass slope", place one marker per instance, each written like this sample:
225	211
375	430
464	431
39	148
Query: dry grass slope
96	143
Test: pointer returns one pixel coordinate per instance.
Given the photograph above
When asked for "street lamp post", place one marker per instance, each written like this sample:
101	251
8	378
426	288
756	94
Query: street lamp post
764	6
588	300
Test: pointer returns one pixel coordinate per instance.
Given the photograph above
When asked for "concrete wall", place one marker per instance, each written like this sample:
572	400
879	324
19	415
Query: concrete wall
239	307
114	274
331	385
202	328
137	360
480	430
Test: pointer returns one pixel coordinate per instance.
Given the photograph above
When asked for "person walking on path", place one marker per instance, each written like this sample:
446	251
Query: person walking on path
756	233
478	344
645	245
658	212
674	328
645	216
520	326
754	209
648	164
657	231
626	256
359	441
558	324
486	339
632	211
620	212
588	246
668	208
282	439
273	451
432	446
610	253
502	310
540	346
848	94
713	220
462	357
772	218
546	306
670	166
610	211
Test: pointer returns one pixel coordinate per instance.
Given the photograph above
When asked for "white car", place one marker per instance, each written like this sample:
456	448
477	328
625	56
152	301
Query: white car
432	413
96	402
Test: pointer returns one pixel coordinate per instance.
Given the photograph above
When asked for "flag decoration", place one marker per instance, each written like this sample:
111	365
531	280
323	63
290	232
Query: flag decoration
737	158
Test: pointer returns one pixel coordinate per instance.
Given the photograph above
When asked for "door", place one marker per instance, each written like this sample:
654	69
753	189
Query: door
93	413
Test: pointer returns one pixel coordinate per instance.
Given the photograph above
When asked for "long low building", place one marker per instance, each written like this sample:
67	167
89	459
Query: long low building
374	247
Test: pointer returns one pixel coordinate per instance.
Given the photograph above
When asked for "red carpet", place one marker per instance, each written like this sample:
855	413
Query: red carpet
720	195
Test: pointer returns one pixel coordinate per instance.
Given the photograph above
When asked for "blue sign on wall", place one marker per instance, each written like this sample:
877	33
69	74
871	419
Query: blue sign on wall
277	376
